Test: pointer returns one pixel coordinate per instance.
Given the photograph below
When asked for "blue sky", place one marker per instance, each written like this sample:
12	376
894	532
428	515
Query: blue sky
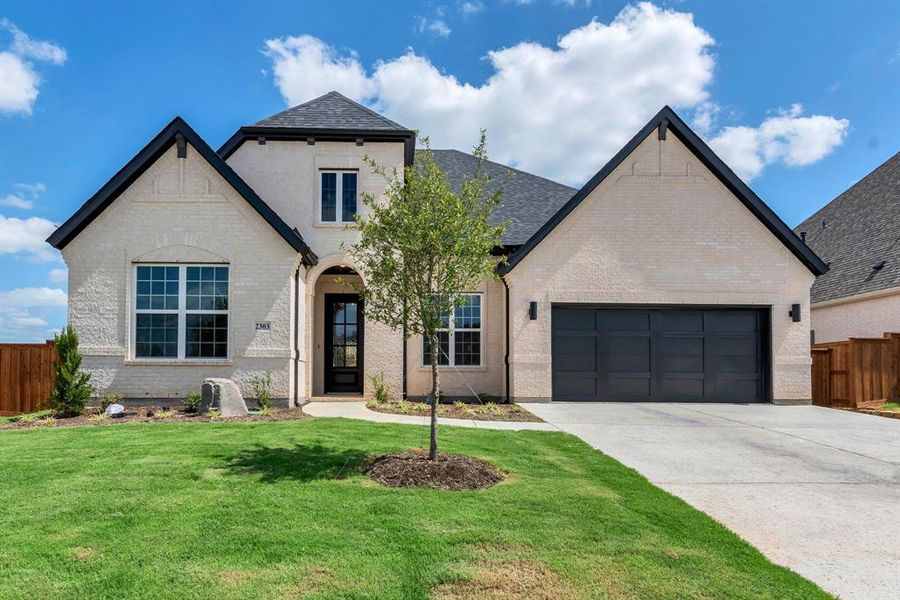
800	98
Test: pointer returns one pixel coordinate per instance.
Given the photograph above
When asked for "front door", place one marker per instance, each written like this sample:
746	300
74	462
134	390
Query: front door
343	344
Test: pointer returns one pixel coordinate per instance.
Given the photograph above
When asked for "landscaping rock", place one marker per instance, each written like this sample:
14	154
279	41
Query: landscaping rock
224	395
116	411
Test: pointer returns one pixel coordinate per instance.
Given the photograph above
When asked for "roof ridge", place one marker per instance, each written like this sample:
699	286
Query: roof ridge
366	108
499	164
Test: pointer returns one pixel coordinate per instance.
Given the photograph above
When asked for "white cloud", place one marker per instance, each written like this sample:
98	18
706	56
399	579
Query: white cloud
15	202
559	111
435	26
27	236
23	325
788	138
58	275
471	7
704	117
19	82
18	200
32	297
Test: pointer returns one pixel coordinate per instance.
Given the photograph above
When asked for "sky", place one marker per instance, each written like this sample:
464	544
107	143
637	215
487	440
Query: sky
799	98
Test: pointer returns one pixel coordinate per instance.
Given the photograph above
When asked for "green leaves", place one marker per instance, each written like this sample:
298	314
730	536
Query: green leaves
71	386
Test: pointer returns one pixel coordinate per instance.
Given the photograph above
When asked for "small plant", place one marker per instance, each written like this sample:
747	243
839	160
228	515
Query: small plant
47	421
71	386
165	414
26	418
214	414
492	408
517	409
191	402
485	398
108	400
460	406
266	412
261	385
99	417
380	391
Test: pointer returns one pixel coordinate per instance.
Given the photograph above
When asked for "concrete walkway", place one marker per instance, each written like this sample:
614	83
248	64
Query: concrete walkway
358	410
816	490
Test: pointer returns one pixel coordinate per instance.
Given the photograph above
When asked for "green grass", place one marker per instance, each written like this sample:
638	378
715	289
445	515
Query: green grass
35	415
893	406
253	510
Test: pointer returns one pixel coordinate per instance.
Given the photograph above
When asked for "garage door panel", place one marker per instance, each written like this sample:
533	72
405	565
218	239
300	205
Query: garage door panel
628	353
660	354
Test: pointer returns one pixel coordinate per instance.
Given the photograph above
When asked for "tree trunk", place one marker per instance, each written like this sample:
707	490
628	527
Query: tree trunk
435	395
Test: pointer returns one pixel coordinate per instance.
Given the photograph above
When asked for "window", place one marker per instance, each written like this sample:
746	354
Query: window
459	343
181	312
338	191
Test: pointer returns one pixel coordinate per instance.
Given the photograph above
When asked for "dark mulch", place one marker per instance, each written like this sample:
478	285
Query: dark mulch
458	410
151	414
447	472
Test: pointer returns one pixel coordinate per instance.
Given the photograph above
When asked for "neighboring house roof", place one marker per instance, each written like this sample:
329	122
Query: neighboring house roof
331	111
171	133
854	232
528	201
332	117
666	120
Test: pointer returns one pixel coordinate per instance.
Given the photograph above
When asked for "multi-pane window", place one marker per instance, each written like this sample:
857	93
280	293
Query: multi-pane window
181	312
338	199
459	341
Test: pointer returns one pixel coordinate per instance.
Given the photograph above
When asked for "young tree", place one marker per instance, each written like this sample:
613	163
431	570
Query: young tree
71	386
422	246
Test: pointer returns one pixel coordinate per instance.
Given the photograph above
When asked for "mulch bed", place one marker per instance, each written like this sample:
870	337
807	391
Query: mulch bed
476	412
447	472
150	414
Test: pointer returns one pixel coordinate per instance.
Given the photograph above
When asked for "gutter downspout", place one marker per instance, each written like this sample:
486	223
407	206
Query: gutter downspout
506	355
297	337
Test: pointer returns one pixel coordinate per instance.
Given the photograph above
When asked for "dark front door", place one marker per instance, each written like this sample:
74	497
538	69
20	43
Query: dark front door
689	354
343	344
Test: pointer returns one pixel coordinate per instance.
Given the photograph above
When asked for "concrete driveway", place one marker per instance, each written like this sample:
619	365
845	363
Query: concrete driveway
816	490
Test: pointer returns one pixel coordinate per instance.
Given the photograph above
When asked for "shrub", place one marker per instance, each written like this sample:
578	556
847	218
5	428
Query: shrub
165	414
191	402
459	405
380	391
214	414
46	421
71	386
100	416
266	412
26	418
261	385
109	399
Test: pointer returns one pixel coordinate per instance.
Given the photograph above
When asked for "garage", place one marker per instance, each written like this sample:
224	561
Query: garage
660	354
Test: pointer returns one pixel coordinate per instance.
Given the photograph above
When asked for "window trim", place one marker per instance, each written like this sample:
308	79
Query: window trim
182	313
339	203
452	340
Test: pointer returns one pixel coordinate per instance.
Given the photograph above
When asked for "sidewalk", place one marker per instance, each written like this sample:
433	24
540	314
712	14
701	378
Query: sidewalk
358	410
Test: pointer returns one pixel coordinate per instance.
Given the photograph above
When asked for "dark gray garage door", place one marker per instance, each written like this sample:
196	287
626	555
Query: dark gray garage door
659	354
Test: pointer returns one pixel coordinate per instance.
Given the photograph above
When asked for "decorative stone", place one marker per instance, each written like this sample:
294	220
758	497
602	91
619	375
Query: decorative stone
116	411
224	395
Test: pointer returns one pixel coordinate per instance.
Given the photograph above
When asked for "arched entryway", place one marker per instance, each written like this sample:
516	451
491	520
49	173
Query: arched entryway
338	333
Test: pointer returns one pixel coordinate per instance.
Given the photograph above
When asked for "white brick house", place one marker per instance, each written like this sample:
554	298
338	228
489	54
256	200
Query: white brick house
664	278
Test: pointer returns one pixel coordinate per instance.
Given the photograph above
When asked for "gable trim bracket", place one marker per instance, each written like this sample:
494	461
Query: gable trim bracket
667	120
180	133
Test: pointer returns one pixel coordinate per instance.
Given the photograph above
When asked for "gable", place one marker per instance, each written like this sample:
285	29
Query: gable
168	185
666	123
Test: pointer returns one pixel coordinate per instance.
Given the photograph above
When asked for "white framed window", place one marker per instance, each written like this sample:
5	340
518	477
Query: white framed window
459	341
180	312
338	191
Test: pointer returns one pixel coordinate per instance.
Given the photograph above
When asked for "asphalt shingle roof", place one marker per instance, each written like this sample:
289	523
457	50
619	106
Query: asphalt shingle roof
528	200
855	231
331	111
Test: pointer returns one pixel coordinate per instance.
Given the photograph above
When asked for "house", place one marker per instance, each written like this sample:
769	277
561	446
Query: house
858	234
663	278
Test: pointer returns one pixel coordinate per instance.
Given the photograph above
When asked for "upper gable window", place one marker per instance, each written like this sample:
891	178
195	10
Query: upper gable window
338	196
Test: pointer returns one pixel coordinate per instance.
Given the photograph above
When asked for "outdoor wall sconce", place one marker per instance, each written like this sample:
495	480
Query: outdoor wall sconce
532	310
794	313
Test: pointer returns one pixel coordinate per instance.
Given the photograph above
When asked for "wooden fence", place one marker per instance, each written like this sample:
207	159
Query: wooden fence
26	376
856	373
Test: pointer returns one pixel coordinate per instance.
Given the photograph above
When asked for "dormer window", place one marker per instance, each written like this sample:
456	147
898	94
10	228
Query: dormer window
338	196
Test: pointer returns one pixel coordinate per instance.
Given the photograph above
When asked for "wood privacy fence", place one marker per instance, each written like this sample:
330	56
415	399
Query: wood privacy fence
856	373
26	376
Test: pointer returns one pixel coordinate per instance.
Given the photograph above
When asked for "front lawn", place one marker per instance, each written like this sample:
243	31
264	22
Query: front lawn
279	509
